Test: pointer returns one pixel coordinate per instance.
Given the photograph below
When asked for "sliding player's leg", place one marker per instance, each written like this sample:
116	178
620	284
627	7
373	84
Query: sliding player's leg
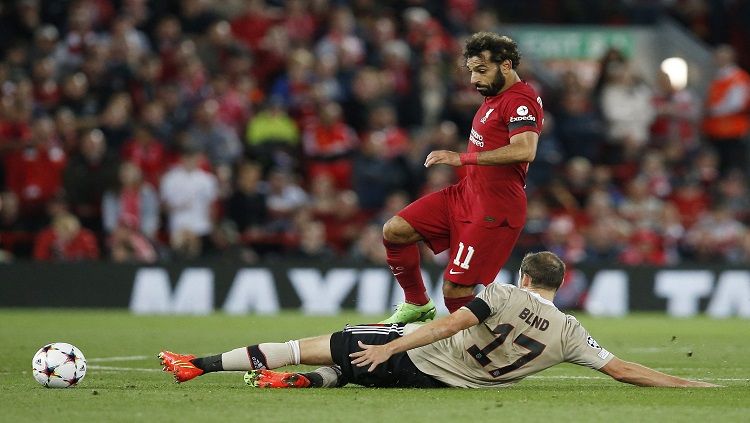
270	355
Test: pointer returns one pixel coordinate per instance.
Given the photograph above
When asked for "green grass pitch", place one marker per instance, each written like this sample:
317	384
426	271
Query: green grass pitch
124	383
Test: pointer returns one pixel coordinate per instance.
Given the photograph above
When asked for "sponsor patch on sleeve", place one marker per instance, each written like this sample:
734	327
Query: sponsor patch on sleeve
592	343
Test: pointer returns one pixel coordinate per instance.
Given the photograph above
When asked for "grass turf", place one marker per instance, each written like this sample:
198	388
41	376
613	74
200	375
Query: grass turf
123	382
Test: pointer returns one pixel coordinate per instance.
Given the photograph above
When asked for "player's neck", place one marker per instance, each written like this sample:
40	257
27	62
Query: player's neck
510	81
544	293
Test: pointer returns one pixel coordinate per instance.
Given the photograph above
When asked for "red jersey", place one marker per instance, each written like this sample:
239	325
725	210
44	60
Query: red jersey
494	195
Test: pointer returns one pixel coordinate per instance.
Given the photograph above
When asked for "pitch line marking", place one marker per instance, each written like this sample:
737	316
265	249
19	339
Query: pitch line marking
120	358
123	369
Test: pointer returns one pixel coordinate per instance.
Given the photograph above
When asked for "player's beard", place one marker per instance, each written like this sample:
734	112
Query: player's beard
494	87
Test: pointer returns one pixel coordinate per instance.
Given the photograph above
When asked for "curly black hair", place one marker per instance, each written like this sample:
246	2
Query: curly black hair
500	47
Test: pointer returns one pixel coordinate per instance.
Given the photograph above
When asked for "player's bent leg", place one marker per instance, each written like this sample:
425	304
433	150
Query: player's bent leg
398	231
457	296
402	255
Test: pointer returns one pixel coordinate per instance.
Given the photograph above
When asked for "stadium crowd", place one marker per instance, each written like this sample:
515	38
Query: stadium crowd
140	131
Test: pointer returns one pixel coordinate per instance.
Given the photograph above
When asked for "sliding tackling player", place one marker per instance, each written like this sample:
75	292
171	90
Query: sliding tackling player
499	338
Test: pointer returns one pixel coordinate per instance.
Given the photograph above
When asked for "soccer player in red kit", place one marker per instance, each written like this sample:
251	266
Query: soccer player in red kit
479	218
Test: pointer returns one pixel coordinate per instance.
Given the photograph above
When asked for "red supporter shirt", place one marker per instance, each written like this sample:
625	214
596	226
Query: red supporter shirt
82	247
492	195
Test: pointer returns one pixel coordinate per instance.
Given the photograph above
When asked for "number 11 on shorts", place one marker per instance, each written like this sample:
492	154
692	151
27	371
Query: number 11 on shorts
460	252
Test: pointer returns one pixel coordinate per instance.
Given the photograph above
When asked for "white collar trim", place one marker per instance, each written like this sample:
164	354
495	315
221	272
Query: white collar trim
539	297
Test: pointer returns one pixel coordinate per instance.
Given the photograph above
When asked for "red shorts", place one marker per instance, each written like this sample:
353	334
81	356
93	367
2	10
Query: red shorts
477	251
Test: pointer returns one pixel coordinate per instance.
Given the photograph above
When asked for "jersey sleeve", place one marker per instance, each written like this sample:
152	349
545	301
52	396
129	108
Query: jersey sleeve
489	302
523	114
581	349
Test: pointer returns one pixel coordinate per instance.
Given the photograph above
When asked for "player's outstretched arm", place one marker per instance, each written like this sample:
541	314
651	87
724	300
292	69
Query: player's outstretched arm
636	374
442	328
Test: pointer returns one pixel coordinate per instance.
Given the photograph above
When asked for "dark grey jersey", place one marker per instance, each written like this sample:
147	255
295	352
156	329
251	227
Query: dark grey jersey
519	334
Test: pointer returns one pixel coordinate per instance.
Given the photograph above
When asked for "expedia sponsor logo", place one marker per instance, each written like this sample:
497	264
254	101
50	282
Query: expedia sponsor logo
520	118
476	138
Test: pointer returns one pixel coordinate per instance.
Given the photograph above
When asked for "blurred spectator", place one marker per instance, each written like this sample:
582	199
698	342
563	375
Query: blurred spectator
602	243
627	108
247	207
690	200
128	245
295	87
66	240
15	237
251	26
655	174
368	247
639	206
714	236
91	171
312	242
645	247
733	193
272	136
284	197
115	121
329	144
537	223
727	122
188	193
345	222
376	175
131	208
383	129
34	172
562	239
220	142
580	130
677	112
147	153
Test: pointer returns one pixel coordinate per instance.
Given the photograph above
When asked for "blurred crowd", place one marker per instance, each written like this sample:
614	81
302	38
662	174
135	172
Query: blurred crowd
143	131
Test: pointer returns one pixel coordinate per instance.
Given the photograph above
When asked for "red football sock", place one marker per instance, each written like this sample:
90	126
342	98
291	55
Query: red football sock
404	262
453	304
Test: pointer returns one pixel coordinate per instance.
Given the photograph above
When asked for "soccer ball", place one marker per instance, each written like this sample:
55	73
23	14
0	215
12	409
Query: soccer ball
58	365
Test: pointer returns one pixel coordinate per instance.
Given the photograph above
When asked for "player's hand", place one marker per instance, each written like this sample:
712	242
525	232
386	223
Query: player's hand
442	156
370	354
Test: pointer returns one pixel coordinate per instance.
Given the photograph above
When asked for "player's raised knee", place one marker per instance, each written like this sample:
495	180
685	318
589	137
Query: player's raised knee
399	231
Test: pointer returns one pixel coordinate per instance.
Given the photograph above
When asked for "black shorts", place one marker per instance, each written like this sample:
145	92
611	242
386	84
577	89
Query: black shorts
398	372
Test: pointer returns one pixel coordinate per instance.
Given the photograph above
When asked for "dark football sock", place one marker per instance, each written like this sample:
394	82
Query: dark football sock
208	364
325	377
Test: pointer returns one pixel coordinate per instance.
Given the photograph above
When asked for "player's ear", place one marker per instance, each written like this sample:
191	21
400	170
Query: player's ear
525	280
506	65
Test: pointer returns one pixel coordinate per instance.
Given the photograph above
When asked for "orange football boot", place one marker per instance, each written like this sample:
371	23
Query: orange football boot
270	379
179	365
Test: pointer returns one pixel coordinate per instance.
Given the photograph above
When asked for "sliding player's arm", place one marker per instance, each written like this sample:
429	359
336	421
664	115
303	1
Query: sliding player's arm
636	374
442	328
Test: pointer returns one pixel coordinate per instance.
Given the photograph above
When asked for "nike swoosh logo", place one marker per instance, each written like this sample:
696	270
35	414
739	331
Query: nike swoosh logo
454	273
396	274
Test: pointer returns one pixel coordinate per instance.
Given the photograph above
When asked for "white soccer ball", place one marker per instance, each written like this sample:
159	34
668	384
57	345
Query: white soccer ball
58	365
